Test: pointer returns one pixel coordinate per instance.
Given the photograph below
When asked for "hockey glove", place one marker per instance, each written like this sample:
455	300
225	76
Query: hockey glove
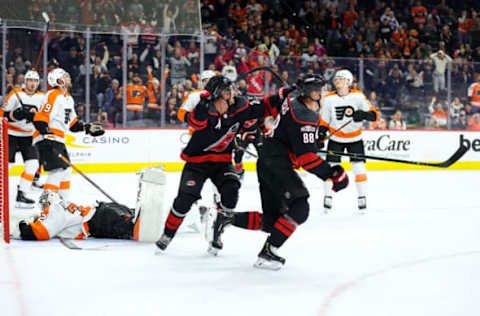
21	114
285	91
339	178
94	129
359	116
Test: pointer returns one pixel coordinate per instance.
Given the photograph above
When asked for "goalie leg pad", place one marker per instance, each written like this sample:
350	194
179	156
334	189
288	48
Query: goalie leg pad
112	220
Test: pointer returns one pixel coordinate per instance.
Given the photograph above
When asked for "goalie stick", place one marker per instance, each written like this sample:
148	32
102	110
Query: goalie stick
444	164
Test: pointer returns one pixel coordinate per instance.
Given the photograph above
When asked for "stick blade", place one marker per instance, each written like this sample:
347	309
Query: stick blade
455	157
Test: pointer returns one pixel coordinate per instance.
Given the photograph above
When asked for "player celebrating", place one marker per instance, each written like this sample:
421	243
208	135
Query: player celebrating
217	118
339	107
20	113
292	144
56	117
60	218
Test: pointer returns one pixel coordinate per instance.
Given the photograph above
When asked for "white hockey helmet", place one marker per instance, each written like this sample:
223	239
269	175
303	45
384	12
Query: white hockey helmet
33	75
344	74
55	75
207	74
230	72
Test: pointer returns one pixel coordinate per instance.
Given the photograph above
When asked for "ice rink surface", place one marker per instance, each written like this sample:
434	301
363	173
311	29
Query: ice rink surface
416	252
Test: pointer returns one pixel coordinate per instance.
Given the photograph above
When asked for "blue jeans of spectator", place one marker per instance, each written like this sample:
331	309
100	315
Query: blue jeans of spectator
100	99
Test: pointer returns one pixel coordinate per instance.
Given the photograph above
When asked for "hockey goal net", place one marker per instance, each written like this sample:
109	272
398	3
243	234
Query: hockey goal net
4	214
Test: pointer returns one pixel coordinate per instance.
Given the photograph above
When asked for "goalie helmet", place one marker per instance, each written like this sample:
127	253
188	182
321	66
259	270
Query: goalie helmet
216	85
344	74
33	75
309	83
55	75
47	198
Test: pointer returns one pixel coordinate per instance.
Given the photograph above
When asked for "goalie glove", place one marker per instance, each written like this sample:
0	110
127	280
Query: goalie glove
339	178
94	129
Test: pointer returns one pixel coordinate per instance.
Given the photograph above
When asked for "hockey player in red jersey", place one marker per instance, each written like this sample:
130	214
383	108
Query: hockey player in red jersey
216	119
291	145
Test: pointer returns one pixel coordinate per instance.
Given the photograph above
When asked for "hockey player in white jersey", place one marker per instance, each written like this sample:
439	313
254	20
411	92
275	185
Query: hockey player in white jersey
192	99
56	118
60	218
339	107
19	114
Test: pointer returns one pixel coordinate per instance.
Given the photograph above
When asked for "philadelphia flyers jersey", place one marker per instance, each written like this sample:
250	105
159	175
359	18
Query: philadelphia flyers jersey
30	102
337	110
213	139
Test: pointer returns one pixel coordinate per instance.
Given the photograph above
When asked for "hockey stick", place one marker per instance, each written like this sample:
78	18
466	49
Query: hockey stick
235	142
85	177
444	164
268	69
67	242
47	21
335	131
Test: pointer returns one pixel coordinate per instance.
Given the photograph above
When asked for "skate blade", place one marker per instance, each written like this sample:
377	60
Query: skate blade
24	205
212	250
267	265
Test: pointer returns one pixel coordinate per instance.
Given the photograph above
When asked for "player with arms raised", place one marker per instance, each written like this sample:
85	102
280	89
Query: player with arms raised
56	117
338	108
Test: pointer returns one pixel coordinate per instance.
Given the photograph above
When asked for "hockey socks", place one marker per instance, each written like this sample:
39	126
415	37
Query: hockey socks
173	222
248	220
282	230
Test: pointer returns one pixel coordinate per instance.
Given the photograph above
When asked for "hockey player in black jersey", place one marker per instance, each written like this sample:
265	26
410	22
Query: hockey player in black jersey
283	193
216	120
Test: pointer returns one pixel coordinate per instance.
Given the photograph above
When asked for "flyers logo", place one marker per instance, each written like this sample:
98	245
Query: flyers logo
343	111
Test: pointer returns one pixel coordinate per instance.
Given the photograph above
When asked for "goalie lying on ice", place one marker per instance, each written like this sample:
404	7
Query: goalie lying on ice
60	218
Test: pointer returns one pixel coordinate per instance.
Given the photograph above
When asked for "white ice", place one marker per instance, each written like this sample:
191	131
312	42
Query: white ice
416	252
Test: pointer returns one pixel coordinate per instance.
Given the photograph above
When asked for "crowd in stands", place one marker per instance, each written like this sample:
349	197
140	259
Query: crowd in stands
416	56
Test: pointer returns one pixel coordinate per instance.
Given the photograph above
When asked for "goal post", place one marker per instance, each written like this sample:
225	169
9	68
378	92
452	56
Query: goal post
4	213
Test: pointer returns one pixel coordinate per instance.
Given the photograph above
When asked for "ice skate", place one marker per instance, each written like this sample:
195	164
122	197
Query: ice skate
268	258
163	242
216	223
362	204
22	201
327	204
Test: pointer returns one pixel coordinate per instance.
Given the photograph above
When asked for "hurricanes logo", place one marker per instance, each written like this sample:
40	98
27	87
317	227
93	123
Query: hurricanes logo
344	111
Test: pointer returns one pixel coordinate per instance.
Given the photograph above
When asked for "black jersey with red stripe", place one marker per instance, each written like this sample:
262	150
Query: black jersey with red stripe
213	136
295	134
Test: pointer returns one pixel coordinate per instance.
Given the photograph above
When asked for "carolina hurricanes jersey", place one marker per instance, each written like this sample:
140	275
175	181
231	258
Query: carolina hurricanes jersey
30	102
63	219
59	113
337	110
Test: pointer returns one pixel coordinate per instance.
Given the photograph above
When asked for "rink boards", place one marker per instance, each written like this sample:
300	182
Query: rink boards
130	150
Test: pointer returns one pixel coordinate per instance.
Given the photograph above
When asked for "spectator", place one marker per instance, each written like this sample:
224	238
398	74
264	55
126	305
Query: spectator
419	13
178	67
441	61
172	111
102	119
474	93
397	121
455	108
474	122
378	124
460	122
439	115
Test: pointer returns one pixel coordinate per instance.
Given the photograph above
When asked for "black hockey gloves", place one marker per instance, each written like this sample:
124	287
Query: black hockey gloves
94	129
322	132
22	113
359	116
339	178
285	91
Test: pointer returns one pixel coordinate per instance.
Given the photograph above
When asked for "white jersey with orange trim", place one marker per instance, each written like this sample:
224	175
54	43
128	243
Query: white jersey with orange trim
34	101
189	103
63	219
337	110
59	113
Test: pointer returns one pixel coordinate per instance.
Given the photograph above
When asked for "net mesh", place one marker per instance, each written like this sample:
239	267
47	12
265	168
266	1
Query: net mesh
105	16
4	214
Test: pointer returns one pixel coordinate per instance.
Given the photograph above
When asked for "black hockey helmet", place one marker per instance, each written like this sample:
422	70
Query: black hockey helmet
217	84
309	83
